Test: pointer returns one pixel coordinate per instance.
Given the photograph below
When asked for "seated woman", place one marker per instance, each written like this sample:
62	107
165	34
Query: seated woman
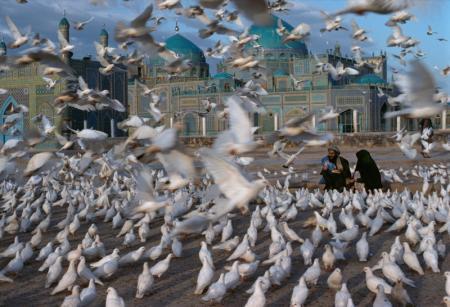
335	170
368	169
426	138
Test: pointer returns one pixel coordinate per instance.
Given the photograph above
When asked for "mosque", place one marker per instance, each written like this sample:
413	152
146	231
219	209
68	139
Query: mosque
26	86
354	97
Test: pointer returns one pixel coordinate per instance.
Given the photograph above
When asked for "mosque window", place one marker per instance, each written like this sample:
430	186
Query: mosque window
299	68
349	101
163	101
210	124
282	85
190	125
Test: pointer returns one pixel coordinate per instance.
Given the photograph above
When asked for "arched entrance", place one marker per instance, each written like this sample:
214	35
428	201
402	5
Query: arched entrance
190	125
345	121
385	123
294	113
15	131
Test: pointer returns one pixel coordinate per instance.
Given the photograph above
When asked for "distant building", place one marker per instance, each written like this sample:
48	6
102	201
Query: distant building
26	86
355	97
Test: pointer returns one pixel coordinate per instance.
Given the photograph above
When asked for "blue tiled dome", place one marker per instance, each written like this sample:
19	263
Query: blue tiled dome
64	22
103	32
370	79
270	40
185	48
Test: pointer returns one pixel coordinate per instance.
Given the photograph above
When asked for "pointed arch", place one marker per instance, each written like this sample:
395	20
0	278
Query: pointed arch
7	105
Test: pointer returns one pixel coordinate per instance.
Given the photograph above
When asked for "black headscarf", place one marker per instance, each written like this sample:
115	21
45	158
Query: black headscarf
368	169
422	124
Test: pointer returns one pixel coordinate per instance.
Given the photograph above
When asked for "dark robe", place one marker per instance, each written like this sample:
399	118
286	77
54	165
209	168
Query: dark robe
339	180
368	169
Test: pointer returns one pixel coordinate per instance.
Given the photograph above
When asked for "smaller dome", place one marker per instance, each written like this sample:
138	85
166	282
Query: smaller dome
223	76
185	48
269	39
64	22
280	73
370	79
103	32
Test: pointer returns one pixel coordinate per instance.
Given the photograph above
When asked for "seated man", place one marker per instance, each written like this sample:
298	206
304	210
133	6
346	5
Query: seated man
335	170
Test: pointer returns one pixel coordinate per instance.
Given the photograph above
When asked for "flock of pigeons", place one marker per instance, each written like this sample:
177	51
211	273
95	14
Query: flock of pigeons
125	197
116	187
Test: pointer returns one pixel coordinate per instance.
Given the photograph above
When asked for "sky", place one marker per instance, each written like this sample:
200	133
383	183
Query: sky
43	16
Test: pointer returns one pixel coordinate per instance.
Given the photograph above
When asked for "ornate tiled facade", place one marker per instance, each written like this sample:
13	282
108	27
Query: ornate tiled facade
355	96
26	86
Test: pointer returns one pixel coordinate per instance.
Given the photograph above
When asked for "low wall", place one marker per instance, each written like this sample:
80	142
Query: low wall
366	139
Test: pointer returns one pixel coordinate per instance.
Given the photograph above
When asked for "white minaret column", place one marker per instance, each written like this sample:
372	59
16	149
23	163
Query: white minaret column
203	126
399	123
275	121
85	124
355	120
113	132
444	119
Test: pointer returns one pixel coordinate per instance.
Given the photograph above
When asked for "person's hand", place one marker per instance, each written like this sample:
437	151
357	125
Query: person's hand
324	167
336	171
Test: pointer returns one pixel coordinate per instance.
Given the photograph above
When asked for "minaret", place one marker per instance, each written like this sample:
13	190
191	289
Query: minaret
337	50
177	27
104	36
64	28
3	50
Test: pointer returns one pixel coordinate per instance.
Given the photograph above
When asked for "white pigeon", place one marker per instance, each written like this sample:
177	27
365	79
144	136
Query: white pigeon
216	291
73	299
342	296
19	38
393	272
257	299
362	248
334	281
161	267
132	257
338	72
312	274
205	276
373	281
88	294
67	280
145	282
113	299
419	85
381	300
54	272
447	283
411	260
299	293
431	257
362	7
232	278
